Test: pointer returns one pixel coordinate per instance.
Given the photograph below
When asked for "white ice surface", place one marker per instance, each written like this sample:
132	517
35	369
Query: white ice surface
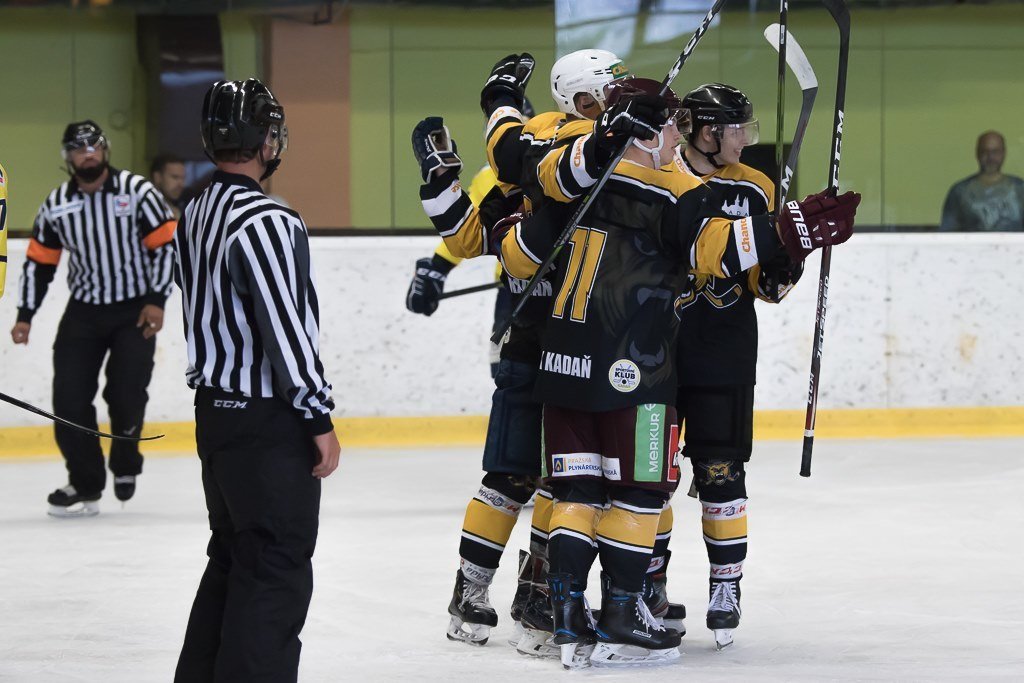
897	560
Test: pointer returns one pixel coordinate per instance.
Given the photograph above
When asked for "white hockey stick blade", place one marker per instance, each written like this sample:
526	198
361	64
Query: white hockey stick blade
795	57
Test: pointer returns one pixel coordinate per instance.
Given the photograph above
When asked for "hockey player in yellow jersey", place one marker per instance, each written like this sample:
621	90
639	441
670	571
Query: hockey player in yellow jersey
717	350
3	229
608	371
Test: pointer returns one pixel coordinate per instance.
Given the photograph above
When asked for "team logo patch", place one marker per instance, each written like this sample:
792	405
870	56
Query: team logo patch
122	205
719	473
624	375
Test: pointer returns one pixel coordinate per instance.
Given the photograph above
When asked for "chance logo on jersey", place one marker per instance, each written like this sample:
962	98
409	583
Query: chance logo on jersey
624	375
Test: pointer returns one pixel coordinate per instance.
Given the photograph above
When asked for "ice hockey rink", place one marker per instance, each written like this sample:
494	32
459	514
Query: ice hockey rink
896	560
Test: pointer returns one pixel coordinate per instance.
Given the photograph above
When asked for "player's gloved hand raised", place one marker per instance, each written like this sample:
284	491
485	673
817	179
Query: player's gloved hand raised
640	116
427	284
507	83
434	147
818	221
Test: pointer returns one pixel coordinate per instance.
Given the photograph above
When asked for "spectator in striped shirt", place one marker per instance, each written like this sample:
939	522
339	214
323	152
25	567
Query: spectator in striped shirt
117	230
263	424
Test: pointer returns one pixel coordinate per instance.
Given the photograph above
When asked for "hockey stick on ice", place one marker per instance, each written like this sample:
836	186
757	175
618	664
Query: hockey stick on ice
841	14
67	423
570	228
797	61
470	290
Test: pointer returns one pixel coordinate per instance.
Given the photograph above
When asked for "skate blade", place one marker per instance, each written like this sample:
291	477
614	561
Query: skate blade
472	634
611	655
575	655
723	638
517	633
84	509
535	643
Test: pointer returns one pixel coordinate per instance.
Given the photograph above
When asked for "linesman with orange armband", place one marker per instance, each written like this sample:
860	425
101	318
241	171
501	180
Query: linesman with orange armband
117	229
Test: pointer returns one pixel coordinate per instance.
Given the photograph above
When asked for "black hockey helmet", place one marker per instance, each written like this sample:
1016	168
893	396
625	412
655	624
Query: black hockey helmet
241	116
721	106
82	134
714	103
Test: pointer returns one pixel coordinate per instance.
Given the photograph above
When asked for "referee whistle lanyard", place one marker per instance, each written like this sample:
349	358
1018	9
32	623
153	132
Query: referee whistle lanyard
68	423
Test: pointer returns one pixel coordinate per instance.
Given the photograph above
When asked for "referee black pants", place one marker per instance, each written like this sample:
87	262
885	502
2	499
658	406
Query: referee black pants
86	335
264	508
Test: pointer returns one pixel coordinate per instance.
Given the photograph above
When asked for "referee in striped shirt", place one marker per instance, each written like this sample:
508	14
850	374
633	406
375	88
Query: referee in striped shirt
117	231
263	425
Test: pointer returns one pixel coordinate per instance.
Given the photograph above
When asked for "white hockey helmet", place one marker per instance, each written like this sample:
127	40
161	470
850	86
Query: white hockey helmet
584	71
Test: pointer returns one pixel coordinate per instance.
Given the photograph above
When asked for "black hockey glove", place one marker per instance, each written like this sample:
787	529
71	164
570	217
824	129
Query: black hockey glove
507	83
427	284
434	147
818	221
641	116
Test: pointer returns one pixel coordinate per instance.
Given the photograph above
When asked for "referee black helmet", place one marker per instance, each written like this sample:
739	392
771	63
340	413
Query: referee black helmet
239	117
85	135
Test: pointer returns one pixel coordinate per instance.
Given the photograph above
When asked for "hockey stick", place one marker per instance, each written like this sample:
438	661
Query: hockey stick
841	14
67	423
470	290
780	44
797	61
570	228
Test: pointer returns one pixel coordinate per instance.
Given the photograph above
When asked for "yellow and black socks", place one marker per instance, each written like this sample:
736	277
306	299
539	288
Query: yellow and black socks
490	517
723	497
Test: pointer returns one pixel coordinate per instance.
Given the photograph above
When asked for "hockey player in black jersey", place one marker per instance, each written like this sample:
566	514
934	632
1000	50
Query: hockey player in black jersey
512	456
717	349
608	368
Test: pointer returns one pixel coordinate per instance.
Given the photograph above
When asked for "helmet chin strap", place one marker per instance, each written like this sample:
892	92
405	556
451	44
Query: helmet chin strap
656	152
271	165
711	155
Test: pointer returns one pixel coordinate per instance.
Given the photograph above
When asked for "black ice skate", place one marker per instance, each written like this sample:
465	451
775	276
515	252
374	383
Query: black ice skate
573	626
668	614
628	634
67	502
471	611
523	584
124	487
536	620
723	610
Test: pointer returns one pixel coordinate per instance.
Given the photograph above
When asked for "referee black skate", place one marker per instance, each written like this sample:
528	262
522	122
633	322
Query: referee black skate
117	230
263	424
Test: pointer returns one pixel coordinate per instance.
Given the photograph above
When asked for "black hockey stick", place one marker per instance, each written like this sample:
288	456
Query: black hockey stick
801	67
67	423
570	228
841	14
470	290
780	44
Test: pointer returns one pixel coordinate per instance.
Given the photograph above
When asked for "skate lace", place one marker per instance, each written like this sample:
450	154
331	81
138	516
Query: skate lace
723	598
644	612
476	594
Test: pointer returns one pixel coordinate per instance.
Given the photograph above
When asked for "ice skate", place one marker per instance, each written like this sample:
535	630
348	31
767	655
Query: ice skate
628	634
724	611
537	620
124	487
573	626
471	612
521	596
67	502
668	614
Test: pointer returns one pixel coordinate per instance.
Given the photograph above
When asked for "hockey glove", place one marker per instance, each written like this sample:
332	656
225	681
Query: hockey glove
500	229
427	284
434	147
507	83
818	221
641	117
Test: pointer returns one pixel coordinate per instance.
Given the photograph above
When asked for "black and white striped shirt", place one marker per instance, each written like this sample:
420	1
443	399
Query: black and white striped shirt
118	239
249	298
